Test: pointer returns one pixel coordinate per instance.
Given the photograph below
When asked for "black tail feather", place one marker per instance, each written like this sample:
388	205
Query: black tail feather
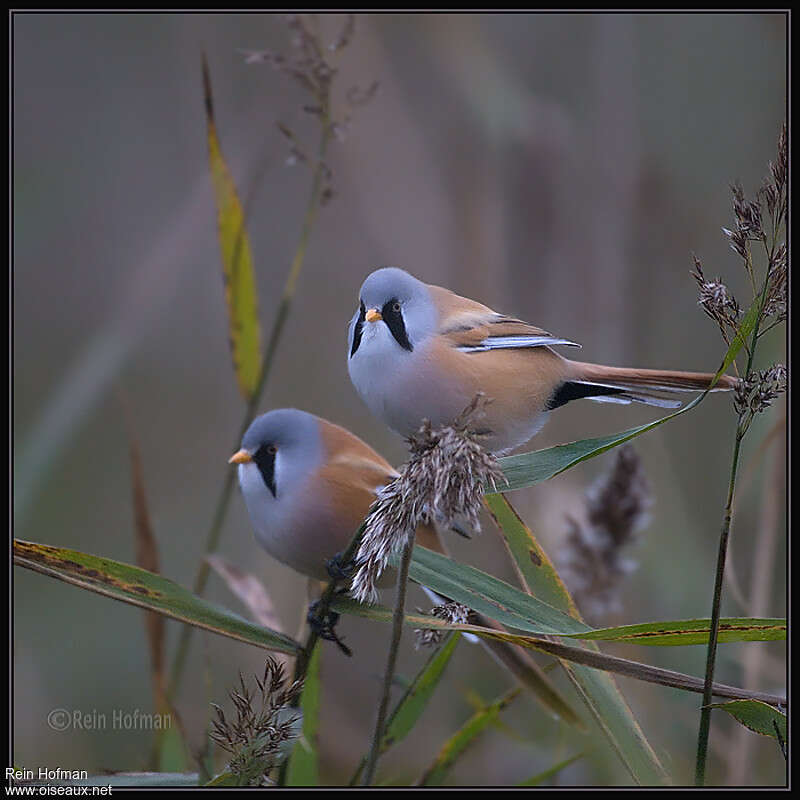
572	390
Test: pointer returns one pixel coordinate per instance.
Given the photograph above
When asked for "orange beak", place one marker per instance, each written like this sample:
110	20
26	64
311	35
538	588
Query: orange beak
240	457
373	315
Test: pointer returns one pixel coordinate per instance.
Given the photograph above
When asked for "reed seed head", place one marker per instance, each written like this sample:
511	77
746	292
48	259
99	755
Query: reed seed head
443	481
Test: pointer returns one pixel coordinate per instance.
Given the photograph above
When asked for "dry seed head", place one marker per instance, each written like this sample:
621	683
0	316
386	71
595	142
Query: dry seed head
443	480
776	302
389	526
748	214
616	511
758	391
256	736
456	613
715	299
345	35
779	169
310	64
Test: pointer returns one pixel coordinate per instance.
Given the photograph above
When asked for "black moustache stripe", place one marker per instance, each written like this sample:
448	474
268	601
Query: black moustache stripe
265	461
357	330
395	323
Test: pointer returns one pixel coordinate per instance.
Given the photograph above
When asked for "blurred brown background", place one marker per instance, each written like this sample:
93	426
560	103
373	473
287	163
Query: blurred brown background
562	168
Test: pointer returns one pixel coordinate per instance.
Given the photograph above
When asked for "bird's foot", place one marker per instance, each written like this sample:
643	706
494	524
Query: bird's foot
323	623
338	569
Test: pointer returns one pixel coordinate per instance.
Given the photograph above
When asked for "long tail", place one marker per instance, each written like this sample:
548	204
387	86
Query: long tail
624	385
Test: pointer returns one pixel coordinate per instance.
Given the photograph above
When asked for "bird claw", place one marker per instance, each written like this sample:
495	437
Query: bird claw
323	623
338	569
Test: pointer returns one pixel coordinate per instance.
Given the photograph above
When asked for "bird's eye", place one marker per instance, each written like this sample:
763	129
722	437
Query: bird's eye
396	307
271	449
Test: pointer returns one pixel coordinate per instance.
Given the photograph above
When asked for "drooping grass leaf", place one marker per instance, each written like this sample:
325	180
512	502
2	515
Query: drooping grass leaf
303	765
590	657
597	689
498	600
665	634
550	772
528	469
456	745
694	631
144	589
759	717
489	595
224	779
237	260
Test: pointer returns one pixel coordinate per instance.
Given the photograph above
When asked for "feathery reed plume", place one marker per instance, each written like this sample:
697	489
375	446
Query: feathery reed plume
443	481
592	557
256	738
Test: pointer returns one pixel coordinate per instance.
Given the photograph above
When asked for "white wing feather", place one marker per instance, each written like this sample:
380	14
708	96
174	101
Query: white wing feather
515	342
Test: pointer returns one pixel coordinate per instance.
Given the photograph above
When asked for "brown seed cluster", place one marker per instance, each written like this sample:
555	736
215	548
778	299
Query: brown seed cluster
264	722
456	613
592	558
715	299
763	221
311	63
758	390
443	481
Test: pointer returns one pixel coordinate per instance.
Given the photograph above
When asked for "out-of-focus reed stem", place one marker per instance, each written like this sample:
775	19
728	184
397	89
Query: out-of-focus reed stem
760	588
215	531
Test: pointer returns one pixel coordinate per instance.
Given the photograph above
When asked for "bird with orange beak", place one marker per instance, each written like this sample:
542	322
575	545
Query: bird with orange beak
308	485
418	351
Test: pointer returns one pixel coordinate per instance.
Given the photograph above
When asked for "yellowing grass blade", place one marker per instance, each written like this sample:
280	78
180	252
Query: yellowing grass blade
146	590
237	260
455	746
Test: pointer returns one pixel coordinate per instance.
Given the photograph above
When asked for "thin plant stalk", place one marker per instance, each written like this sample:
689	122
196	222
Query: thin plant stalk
215	531
732	583
716	607
761	584
394	647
